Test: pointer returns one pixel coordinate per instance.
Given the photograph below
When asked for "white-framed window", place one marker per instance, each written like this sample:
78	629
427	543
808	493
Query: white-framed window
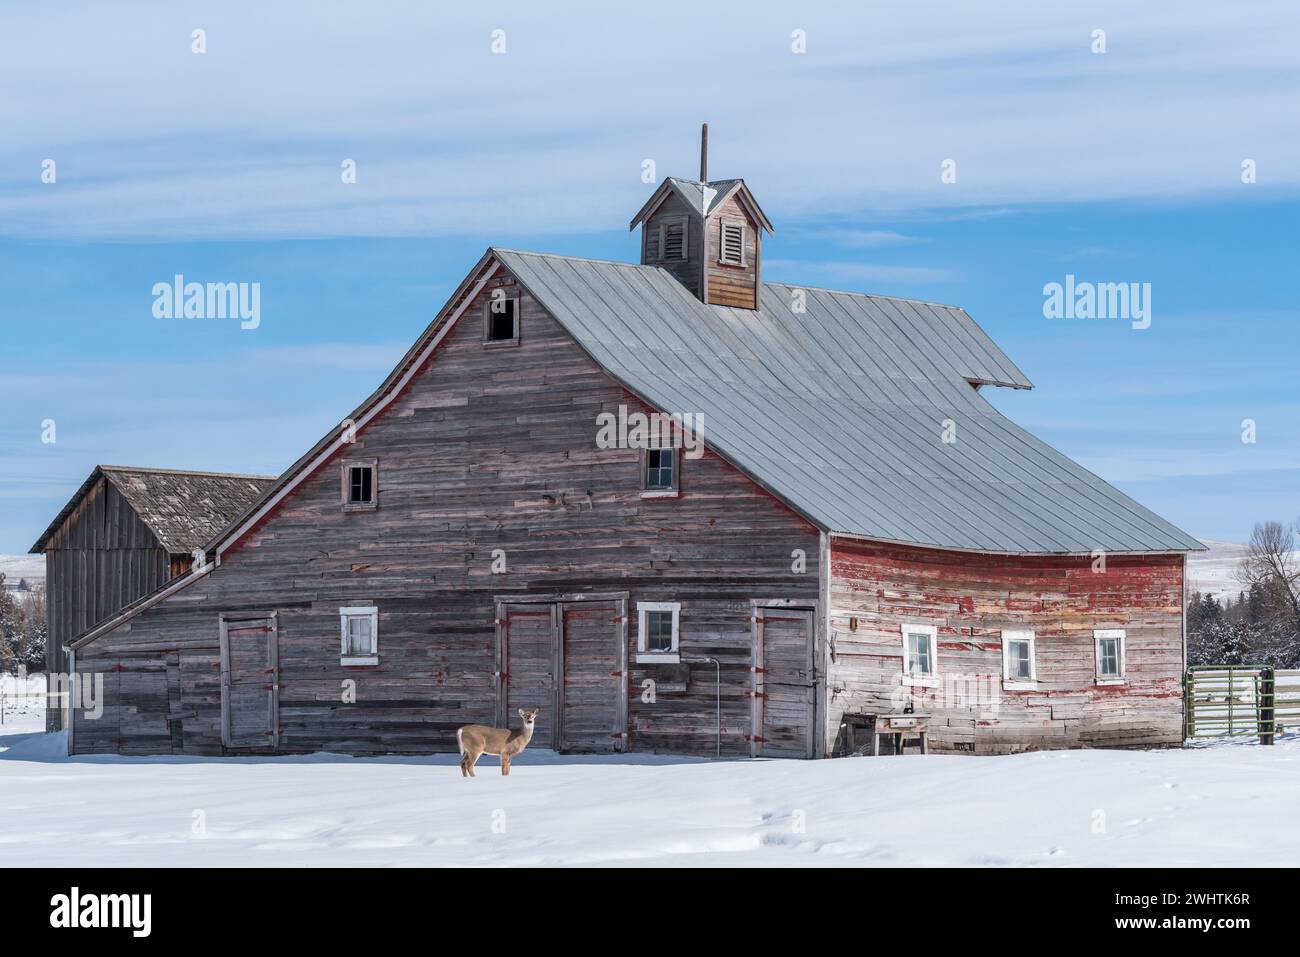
920	654
359	630
731	242
1018	667
1110	655
657	631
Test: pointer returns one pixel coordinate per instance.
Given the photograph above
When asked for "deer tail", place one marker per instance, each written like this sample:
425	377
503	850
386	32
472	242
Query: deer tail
460	743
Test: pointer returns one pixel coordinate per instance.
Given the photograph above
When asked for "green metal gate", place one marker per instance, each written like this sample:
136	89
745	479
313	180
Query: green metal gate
1231	700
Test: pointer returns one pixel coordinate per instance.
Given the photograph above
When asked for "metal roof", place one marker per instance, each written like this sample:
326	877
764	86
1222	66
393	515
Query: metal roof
839	410
183	509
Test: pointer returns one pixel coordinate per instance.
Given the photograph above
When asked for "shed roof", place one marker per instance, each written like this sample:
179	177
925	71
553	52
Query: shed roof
183	509
840	409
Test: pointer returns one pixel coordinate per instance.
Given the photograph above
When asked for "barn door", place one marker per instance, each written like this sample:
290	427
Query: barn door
593	663
526	668
250	682
785	683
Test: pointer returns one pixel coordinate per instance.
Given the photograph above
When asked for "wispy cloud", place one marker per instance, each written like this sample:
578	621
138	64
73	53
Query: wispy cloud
799	270
247	139
866	238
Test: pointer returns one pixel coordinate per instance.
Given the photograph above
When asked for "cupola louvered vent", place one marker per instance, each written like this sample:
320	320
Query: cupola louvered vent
672	238
732	247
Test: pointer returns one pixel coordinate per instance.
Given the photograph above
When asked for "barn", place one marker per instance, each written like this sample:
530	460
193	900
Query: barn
679	509
124	533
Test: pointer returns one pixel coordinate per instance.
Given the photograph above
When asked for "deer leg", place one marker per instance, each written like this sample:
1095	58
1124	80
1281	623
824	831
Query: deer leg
505	765
470	758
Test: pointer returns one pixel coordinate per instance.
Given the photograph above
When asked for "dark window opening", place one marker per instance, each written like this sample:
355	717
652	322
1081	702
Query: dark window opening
361	485
502	320
659	471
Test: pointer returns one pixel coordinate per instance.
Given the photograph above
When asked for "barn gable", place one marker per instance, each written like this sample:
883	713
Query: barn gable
485	454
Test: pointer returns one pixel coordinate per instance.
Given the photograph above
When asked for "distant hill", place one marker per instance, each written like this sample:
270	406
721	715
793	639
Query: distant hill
1215	572
18	567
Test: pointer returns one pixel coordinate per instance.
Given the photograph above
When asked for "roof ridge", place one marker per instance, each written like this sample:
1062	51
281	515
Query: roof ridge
162	471
584	259
766	282
868	295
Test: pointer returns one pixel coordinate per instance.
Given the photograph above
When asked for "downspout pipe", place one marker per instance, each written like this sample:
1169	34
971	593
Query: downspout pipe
717	695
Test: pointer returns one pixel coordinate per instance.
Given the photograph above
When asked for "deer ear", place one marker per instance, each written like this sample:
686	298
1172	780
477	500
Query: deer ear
521	713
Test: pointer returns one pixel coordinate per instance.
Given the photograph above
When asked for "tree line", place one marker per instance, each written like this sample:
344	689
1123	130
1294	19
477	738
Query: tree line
23	628
1262	626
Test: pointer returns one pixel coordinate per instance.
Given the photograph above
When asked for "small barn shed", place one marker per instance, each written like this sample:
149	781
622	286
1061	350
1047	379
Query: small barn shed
125	532
679	509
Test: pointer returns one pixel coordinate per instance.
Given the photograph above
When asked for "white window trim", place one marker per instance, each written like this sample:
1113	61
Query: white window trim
660	657
1019	684
358	611
921	680
1097	636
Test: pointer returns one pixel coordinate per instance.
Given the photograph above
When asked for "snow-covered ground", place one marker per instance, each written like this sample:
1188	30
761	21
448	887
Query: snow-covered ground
17	567
1229	804
22	701
1214	572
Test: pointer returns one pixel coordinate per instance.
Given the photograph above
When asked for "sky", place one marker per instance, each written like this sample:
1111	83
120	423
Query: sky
969	154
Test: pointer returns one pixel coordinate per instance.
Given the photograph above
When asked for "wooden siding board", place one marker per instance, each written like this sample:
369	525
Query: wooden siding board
970	599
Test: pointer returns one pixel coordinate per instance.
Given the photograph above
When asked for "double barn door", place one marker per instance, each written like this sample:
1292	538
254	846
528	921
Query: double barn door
569	658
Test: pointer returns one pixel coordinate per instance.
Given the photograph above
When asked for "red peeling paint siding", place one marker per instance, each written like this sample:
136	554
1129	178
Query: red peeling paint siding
969	599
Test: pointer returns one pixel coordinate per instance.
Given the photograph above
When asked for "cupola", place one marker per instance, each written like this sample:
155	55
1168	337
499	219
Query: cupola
707	234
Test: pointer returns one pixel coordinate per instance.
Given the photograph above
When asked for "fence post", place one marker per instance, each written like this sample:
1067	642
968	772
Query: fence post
1266	705
1189	720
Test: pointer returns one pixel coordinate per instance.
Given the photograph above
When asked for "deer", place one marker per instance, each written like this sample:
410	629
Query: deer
479	739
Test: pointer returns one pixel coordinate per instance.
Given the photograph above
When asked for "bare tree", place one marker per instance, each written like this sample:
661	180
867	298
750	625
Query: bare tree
1271	562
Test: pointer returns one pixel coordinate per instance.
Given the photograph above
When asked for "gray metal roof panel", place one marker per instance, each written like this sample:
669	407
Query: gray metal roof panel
839	410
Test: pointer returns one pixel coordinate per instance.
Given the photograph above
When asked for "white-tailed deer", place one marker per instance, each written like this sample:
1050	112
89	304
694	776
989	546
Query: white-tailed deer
478	739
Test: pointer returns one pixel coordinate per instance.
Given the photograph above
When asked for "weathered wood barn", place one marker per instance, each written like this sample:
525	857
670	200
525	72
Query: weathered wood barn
834	521
124	533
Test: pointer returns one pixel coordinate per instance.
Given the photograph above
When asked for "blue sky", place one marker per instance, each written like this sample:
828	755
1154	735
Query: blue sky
224	166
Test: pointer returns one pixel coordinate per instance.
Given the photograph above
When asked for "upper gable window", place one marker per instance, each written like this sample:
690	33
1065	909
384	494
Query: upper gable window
501	318
667	241
360	484
659	473
731	248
